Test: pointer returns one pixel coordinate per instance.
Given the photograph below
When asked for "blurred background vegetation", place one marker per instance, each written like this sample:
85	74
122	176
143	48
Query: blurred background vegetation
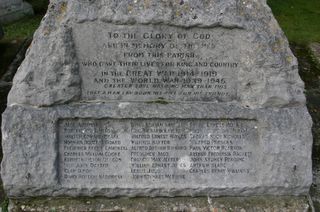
17	32
299	19
25	27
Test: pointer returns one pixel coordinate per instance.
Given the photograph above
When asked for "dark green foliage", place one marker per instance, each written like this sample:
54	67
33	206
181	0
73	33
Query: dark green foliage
4	205
39	6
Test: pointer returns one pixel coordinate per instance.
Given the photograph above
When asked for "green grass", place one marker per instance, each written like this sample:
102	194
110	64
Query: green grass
15	34
300	19
25	27
4	205
21	29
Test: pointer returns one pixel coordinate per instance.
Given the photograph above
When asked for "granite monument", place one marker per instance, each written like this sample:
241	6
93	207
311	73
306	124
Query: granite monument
157	98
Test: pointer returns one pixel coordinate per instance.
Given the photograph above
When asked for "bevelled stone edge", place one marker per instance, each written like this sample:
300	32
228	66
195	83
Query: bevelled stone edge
57	191
200	204
128	109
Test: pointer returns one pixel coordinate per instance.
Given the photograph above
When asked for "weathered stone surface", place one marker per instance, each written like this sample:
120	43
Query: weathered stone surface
84	114
150	62
282	150
241	32
158	151
11	10
203	204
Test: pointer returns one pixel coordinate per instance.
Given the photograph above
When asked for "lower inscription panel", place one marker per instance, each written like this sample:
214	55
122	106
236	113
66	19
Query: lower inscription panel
157	153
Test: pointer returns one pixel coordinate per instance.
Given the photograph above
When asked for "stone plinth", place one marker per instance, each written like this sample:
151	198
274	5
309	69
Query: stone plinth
203	204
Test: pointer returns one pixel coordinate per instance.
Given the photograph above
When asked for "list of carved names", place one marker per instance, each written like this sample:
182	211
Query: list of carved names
150	62
143	151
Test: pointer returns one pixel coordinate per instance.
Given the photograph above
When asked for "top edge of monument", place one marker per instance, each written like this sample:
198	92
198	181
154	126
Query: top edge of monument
184	13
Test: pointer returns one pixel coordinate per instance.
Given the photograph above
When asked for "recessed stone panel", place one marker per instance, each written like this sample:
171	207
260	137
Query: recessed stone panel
140	63
165	152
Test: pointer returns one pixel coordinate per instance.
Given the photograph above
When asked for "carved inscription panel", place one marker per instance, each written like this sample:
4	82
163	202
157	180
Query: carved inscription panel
147	62
157	153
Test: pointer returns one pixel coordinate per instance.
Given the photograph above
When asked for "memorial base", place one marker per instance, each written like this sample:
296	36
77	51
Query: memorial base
144	149
261	203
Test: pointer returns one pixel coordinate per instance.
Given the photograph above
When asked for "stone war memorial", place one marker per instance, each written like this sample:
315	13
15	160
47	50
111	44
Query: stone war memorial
157	98
11	10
